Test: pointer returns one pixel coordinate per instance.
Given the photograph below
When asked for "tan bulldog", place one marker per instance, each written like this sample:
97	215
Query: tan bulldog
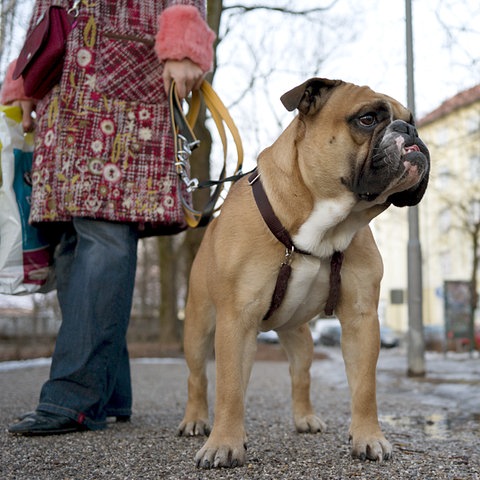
347	156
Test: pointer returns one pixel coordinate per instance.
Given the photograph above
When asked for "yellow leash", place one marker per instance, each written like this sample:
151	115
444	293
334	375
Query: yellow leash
186	142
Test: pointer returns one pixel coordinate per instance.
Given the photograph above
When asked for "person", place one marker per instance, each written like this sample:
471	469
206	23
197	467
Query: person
100	139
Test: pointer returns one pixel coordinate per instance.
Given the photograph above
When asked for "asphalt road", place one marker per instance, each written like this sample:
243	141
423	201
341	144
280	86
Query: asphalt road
433	424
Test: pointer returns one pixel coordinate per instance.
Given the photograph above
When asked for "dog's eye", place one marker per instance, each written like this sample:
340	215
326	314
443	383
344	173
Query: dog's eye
368	120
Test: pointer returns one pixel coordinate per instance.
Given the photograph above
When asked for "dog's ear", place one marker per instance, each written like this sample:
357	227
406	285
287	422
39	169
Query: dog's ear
310	96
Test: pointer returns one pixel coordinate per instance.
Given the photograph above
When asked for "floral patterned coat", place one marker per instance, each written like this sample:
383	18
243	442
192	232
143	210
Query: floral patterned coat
103	134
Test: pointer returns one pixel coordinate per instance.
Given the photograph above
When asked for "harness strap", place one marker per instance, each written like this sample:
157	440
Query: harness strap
282	235
269	216
335	281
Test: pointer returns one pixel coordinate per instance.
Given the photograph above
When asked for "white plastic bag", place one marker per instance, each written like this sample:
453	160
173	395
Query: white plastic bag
25	256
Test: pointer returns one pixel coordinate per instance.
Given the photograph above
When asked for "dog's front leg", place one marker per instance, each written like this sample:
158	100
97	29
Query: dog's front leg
235	348
360	348
298	345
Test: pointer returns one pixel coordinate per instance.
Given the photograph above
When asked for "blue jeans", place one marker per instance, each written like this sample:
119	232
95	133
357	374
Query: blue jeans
95	265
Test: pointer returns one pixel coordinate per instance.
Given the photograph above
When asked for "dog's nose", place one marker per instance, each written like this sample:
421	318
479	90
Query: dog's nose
403	127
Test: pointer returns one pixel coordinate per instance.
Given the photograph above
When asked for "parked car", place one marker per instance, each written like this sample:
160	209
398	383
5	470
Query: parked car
331	335
388	338
272	337
328	332
319	325
434	336
268	337
465	342
315	333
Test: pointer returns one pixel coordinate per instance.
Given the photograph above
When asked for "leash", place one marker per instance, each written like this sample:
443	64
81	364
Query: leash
282	235
185	142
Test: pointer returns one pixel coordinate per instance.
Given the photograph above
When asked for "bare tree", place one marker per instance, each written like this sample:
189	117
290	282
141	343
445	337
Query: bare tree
261	49
14	16
464	209
256	46
460	22
8	9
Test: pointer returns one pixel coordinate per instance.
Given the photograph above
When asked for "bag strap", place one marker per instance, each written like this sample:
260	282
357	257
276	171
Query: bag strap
185	142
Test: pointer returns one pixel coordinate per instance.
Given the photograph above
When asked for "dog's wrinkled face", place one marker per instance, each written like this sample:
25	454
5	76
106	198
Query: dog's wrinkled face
406	159
385	160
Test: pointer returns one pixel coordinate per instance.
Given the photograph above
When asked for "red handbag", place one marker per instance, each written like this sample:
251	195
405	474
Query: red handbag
40	62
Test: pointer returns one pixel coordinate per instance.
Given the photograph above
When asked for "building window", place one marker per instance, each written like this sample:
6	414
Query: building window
474	164
475	211
445	220
396	297
443	177
473	123
442	136
446	264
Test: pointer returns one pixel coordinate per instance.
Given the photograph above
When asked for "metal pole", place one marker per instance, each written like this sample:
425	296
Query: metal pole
416	342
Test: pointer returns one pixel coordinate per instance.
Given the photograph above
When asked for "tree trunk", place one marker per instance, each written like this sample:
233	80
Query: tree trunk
168	292
214	15
170	263
201	157
8	9
474	285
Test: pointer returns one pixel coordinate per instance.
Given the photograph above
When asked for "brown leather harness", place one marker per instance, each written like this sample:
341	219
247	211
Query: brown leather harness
282	235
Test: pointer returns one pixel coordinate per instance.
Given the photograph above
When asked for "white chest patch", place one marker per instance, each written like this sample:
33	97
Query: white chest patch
307	292
327	229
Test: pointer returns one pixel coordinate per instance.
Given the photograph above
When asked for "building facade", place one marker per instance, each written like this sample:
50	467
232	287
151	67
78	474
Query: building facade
449	214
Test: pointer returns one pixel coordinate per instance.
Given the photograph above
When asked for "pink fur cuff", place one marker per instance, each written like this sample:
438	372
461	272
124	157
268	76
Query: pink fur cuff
12	89
183	33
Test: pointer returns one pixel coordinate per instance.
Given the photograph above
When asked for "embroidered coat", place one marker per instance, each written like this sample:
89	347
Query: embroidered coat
103	134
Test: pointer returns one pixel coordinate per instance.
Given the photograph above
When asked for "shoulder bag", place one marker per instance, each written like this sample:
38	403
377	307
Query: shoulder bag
41	59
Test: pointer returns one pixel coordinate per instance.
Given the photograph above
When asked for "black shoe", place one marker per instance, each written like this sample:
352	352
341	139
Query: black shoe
44	423
23	416
123	418
118	418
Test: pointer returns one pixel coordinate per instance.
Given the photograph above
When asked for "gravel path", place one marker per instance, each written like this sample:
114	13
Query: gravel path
433	424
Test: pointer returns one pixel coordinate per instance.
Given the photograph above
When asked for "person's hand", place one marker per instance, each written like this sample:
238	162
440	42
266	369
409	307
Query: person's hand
188	76
28	107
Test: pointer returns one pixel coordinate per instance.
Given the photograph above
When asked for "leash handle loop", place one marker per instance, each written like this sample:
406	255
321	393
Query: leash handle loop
74	10
185	142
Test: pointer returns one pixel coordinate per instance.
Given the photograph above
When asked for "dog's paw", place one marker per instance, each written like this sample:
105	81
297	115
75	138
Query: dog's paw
310	424
212	455
194	428
371	447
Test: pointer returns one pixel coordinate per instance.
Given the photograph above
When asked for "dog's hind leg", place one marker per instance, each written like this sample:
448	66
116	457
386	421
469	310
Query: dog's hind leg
298	345
198	344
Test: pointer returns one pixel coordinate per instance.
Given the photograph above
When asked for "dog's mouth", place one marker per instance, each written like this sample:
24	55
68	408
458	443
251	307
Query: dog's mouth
412	157
398	163
414	162
410	149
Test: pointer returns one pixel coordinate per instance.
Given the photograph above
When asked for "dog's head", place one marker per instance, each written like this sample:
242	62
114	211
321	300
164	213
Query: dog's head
384	159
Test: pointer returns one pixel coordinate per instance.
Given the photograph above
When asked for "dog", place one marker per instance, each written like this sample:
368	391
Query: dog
347	156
